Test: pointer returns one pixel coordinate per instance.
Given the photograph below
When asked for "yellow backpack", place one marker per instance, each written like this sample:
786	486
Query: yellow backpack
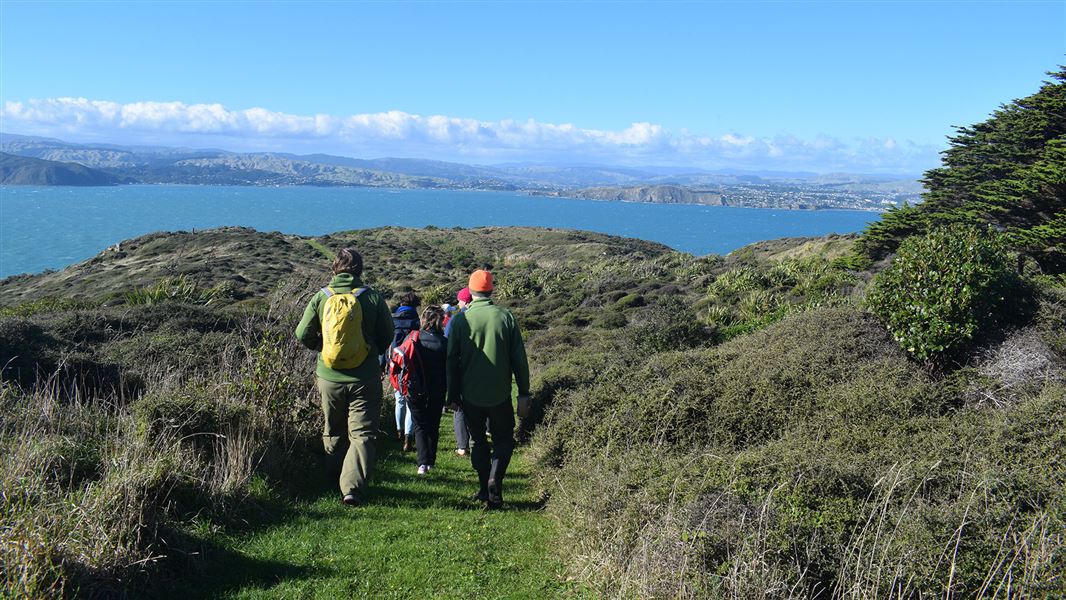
343	344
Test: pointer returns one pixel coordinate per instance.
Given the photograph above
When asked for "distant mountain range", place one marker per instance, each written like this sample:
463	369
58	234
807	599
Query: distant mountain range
106	164
22	170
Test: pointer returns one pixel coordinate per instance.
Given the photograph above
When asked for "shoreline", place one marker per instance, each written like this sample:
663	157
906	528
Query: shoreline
529	193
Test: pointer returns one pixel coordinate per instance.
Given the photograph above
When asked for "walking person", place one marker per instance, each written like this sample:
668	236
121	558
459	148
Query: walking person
485	350
462	435
349	325
428	407
405	320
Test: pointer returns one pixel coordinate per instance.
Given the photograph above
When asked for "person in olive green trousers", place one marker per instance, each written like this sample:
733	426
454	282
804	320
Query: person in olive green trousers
485	349
351	398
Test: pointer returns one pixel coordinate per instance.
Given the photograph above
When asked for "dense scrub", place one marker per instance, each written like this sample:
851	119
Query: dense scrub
102	478
810	449
810	459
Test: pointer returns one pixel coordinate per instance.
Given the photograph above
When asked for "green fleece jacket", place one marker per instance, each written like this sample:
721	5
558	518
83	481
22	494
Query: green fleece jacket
377	330
484	349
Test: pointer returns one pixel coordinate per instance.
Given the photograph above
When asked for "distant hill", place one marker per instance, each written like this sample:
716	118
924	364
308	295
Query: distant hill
656	194
687	185
254	262
21	170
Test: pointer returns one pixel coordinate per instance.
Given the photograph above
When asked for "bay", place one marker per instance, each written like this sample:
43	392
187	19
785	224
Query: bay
52	227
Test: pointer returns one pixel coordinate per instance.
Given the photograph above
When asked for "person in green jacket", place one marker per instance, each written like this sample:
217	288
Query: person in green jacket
351	397
485	349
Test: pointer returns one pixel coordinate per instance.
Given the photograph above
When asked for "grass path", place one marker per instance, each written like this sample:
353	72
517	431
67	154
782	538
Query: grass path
418	537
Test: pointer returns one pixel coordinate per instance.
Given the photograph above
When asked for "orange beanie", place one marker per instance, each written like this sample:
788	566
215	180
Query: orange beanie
480	281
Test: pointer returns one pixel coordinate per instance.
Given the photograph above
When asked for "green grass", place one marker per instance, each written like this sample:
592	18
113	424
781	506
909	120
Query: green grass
322	248
418	537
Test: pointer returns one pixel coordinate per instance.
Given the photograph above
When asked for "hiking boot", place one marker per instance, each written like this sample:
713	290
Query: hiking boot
494	497
482	496
408	443
423	469
352	500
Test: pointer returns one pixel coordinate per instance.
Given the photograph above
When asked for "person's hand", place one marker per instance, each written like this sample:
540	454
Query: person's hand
525	404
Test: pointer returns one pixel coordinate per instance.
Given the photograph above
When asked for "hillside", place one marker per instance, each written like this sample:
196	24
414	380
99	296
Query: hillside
252	263
702	424
20	170
272	169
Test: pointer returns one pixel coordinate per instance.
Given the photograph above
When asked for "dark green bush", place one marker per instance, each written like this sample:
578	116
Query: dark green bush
609	319
26	351
825	368
629	301
187	411
670	324
943	288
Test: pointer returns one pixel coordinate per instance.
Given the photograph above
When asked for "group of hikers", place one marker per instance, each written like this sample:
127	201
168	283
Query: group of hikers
462	358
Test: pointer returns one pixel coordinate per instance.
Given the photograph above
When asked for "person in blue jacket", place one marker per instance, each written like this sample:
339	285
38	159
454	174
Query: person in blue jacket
405	320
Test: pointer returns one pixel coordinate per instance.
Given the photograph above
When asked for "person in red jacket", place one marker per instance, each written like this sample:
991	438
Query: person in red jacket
426	409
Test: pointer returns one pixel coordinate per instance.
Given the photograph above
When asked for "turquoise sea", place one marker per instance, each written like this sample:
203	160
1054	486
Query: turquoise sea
53	227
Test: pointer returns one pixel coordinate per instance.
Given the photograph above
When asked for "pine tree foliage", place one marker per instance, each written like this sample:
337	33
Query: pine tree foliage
1008	172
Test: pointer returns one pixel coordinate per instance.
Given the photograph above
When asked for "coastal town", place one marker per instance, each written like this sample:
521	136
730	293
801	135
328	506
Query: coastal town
765	193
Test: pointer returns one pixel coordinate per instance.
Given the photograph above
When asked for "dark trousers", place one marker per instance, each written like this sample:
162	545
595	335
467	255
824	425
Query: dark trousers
427	430
462	436
491	462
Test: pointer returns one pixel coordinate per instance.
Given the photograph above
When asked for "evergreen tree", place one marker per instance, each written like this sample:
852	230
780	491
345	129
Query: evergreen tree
1009	172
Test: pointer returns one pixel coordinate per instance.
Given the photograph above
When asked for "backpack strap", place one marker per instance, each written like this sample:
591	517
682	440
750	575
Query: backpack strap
357	292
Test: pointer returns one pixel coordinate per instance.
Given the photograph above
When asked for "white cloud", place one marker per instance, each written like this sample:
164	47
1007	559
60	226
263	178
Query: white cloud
398	133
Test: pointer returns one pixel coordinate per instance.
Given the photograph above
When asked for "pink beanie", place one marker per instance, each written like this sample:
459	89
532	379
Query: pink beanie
464	295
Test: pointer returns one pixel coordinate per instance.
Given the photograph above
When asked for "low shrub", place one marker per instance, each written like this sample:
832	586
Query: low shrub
667	325
629	301
835	362
188	411
45	305
943	288
753	295
609	319
180	289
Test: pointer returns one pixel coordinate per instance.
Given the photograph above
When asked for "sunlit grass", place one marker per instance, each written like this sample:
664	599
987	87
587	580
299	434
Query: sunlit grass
418	537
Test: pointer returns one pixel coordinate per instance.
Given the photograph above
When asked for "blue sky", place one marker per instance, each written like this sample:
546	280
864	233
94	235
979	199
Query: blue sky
859	86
